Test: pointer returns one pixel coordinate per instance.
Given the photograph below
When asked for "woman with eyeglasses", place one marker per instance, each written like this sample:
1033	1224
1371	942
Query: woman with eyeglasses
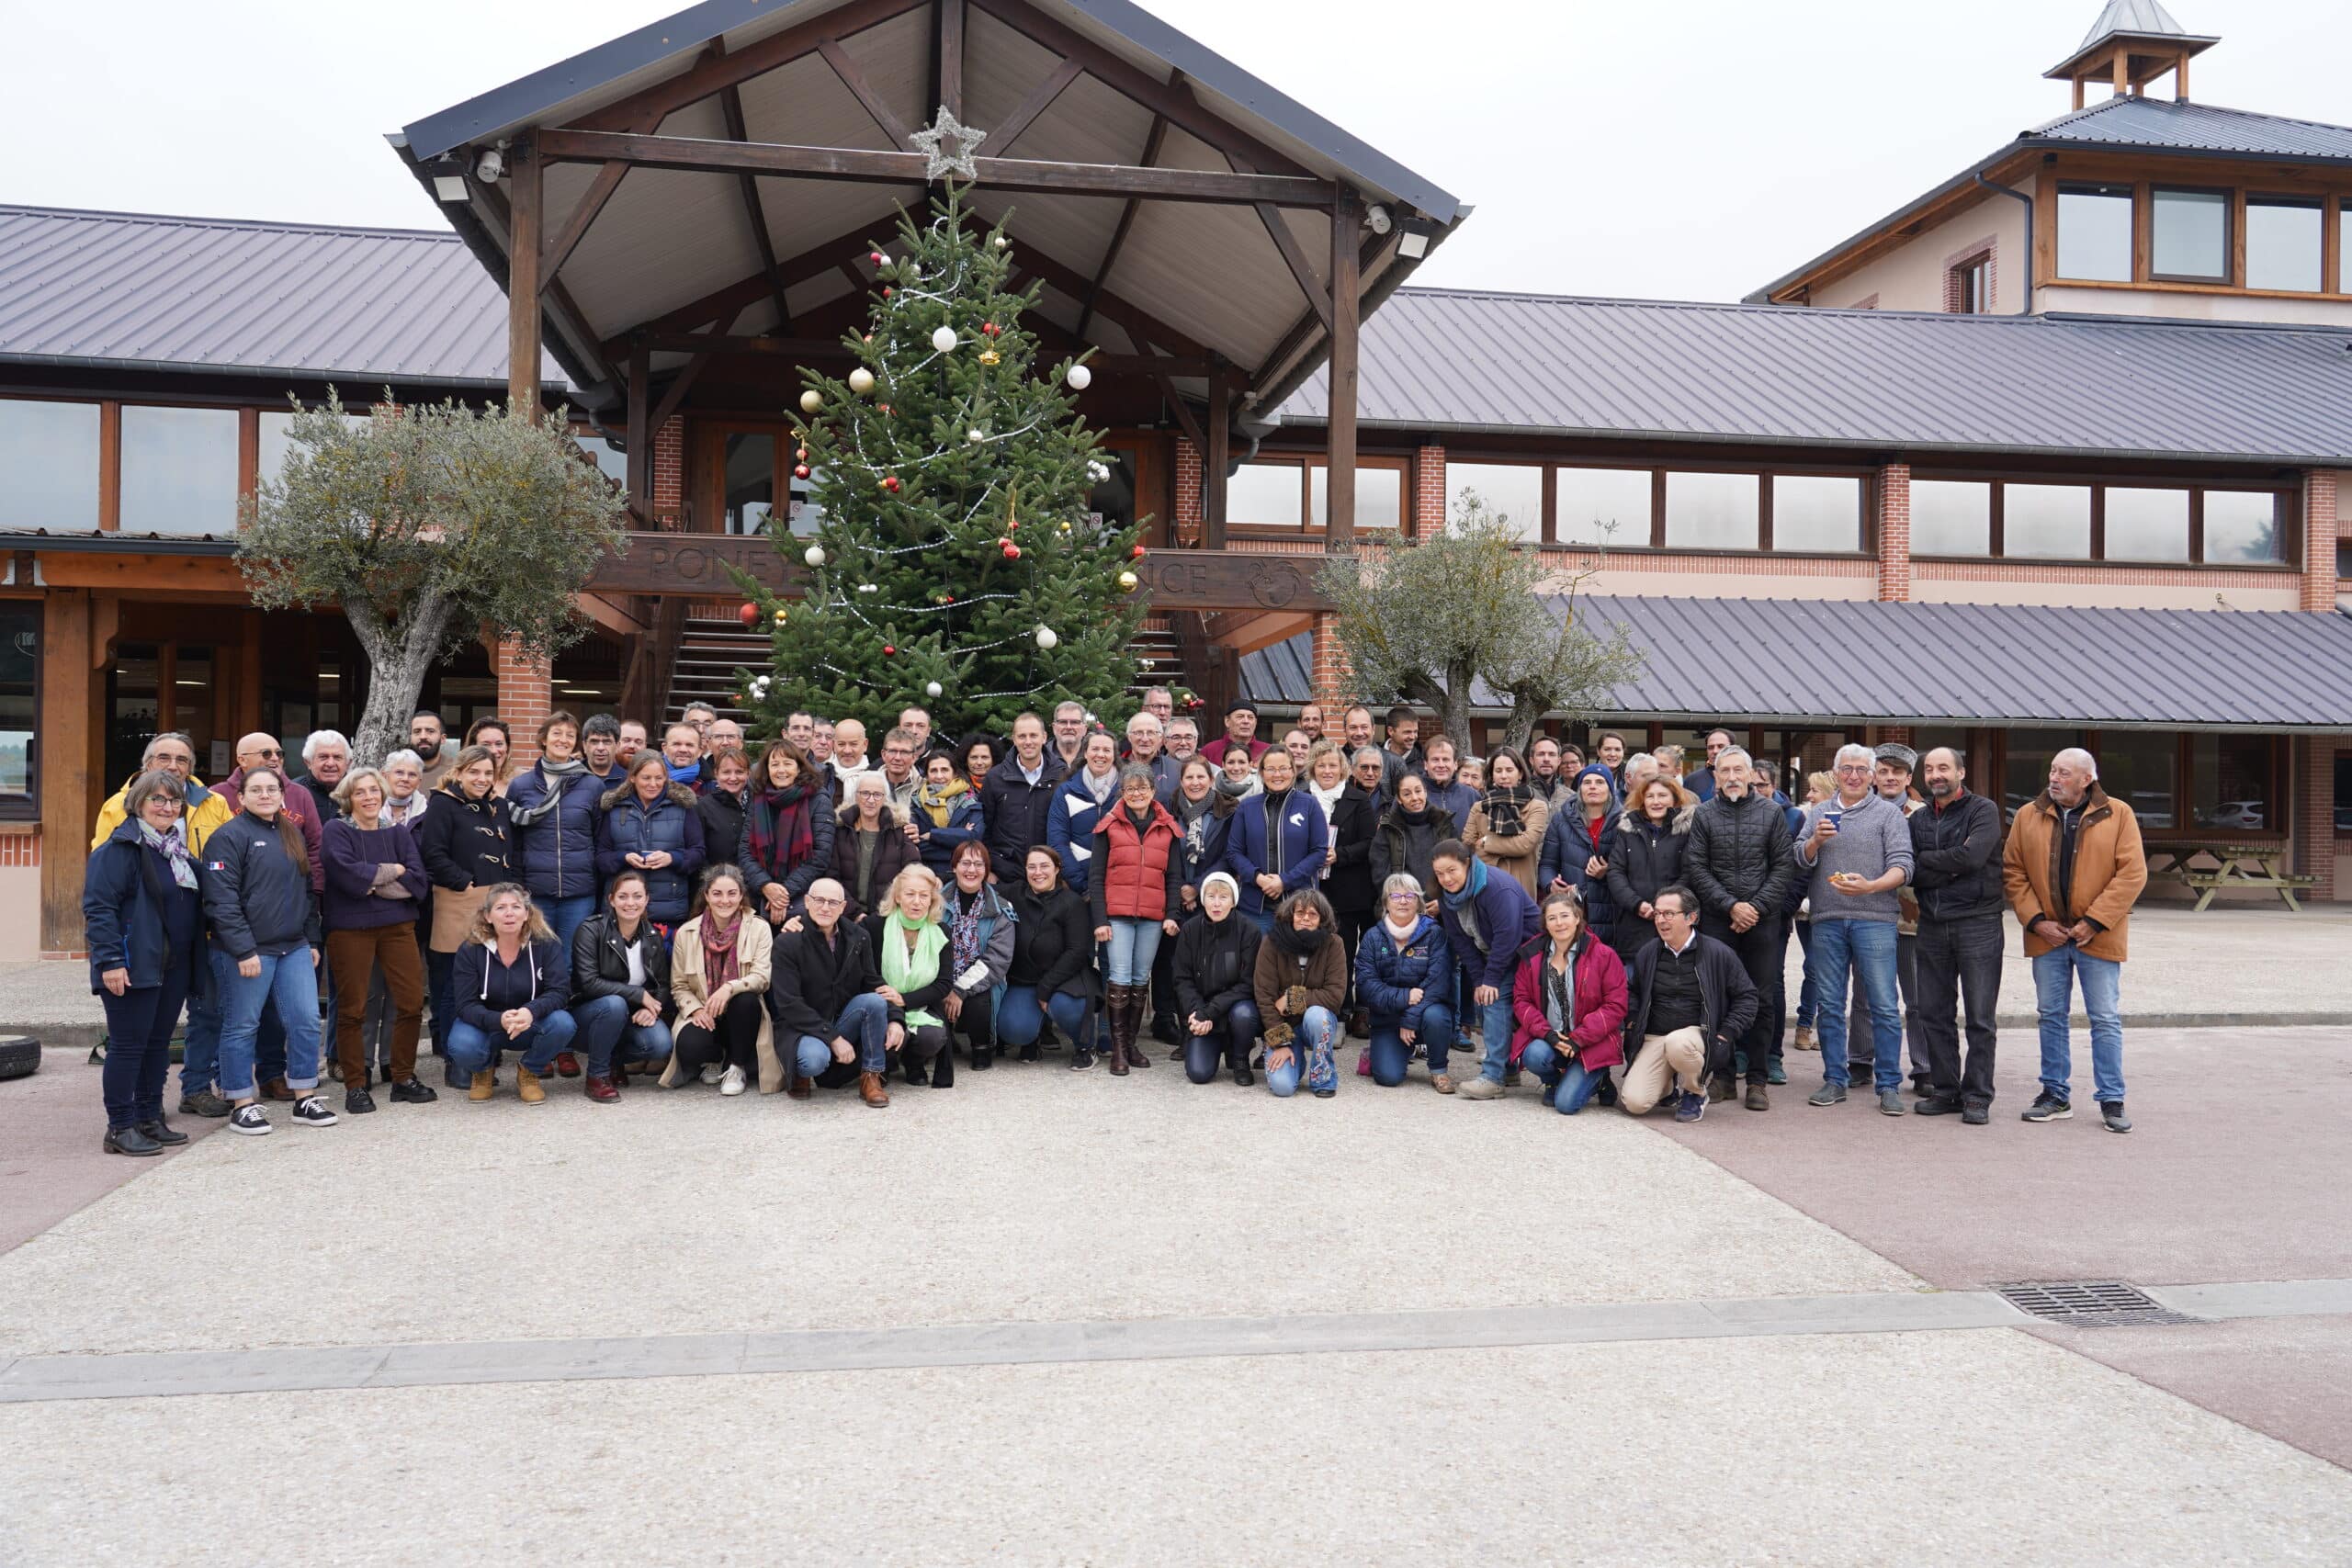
1405	975
142	914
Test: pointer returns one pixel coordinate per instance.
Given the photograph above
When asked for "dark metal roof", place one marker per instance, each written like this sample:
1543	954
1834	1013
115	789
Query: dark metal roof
2133	21
2200	670
2082	386
135	290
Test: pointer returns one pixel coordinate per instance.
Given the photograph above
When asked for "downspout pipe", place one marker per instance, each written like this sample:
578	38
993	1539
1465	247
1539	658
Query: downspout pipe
2027	308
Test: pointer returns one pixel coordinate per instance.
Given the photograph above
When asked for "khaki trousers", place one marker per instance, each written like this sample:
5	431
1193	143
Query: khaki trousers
1663	1060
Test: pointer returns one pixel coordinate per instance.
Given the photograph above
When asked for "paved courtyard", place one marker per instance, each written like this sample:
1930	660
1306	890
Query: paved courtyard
1050	1318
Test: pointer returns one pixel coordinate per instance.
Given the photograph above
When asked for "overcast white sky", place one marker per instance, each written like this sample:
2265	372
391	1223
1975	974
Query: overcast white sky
1691	149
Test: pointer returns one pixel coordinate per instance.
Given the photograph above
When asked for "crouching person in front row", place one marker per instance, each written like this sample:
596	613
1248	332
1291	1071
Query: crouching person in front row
511	980
620	988
1688	999
830	1009
1569	1001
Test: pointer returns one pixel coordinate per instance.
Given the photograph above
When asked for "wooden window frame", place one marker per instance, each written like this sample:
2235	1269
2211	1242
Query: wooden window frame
28	809
1307	527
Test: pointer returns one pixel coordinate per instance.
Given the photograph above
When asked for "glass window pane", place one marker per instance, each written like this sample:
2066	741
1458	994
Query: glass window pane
1816	512
2191	234
277	443
804	516
2025	773
1380	497
2046	520
2095	232
1264	495
1512	491
609	458
1711	512
751	482
48	453
2241	526
2147	524
2137	768
2282	242
1951	517
179	470
2229	782
20	650
1588	502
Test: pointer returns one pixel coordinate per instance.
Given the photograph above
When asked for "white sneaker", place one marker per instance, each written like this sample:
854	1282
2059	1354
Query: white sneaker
733	1083
1482	1087
712	1072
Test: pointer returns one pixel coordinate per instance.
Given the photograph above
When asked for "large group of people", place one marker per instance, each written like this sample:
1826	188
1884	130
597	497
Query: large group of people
804	914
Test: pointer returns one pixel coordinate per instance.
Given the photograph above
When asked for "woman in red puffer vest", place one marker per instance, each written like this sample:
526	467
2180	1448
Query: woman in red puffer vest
1138	870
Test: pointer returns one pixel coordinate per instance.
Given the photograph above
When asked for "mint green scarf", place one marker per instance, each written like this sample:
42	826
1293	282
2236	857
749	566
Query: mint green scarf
911	970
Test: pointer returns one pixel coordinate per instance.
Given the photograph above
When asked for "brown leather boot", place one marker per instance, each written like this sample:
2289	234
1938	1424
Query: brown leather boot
526	1085
1115	1013
800	1087
870	1090
1138	1015
276	1089
485	1084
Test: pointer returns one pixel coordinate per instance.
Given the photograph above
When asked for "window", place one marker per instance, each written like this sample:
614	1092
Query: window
750	483
2344	794
2095	232
277	443
1952	517
2241	526
1816	512
2046	521
1380	496
49	454
1971	293
2282	242
1601	506
1514	490
2137	767
2229	782
179	470
2190	236
1266	495
2025	770
610	459
1712	512
19	707
2147	524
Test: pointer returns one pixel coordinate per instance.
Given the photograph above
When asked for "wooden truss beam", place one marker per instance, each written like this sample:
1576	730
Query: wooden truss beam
653	104
853	76
592	201
1007	131
730	108
1151	142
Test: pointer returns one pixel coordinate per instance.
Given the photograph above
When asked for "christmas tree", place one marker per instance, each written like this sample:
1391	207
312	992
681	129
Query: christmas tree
956	564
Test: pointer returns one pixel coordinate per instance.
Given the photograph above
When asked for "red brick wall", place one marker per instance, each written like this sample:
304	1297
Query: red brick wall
1895	531
526	697
2311	761
670	473
2319	540
1187	528
1334	680
1428	491
20	848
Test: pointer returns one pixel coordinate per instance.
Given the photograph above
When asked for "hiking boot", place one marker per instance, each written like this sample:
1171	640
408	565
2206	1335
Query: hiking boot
485	1084
526	1085
1806	1039
2047	1107
1482	1087
205	1103
1756	1099
1441	1082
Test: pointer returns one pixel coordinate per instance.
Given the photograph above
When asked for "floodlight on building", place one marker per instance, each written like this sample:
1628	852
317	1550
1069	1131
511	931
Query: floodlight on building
1412	245
490	165
448	188
1377	218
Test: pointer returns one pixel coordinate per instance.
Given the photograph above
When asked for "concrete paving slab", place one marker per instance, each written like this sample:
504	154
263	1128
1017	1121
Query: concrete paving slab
52	1130
1028	1194
1984	1450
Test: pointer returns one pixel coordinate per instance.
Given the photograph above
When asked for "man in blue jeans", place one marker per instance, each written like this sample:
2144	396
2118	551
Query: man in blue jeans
1486	917
2072	869
1856	848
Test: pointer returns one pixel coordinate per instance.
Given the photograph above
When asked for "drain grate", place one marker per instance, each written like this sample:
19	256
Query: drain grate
2090	1304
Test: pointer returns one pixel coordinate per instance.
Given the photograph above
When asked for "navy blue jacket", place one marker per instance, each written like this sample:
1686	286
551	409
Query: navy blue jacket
1303	837
1070	826
258	901
1566	847
965	824
1015	810
1507	917
1457	798
1387	972
627	825
126	891
539	978
557	853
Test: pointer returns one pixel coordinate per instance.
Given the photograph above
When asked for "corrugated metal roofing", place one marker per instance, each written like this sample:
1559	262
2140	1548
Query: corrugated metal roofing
2194	128
2117	669
221	294
2143	18
1456	360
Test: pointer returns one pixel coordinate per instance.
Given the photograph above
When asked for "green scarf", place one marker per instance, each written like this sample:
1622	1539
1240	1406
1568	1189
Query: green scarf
910	970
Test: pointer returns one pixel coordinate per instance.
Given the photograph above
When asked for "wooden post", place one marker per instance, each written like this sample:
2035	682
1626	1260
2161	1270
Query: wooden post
951	57
641	430
2123	71
522	280
109	467
1215	460
249	679
1338	533
2180	79
68	801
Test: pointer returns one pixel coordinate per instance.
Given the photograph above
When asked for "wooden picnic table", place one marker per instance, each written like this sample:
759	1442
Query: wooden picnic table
2235	864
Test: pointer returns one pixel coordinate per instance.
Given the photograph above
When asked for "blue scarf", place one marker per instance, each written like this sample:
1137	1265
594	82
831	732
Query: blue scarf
690	775
1472	885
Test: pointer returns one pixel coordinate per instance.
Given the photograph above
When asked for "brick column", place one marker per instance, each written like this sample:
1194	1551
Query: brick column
1189	525
2319	541
1895	531
670	473
526	697
1428	491
2311	763
1334	680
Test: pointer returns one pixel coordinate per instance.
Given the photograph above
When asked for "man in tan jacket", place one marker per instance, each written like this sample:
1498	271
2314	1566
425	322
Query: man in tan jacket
2073	869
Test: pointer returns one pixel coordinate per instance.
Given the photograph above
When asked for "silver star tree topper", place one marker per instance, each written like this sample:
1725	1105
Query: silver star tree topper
936	142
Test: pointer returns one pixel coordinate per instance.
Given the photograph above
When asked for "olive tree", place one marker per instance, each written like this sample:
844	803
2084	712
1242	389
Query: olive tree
1470	604
426	524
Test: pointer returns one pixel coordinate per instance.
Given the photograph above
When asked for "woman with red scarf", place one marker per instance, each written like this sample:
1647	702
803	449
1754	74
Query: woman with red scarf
788	831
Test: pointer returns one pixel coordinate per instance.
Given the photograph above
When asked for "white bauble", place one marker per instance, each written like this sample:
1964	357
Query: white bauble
931	689
1047	638
944	340
1080	376
814	555
811	401
976	435
861	380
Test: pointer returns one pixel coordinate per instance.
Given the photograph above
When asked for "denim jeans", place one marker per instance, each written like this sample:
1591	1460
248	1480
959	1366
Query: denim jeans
1231	1042
1019	1020
1133	945
472	1051
139	1047
865	1024
563	916
286	986
1495	1021
1907	986
1842	950
2102	978
605	1030
1573	1085
200	1051
1391	1056
1959	962
1310	1057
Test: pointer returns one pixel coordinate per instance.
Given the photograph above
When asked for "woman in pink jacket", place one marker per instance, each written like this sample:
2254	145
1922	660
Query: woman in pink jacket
1568	1008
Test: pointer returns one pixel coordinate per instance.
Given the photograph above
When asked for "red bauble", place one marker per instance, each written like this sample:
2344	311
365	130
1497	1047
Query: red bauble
874	256
800	472
802	454
890	483
1011	550
748	614
990	328
887	648
1137	552
886	294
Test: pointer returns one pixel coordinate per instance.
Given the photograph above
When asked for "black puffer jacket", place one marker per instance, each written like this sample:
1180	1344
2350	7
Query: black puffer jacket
1956	859
1214	963
1053	947
1739	854
1644	856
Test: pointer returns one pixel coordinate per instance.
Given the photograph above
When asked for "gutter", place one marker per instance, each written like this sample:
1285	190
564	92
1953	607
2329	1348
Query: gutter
2027	308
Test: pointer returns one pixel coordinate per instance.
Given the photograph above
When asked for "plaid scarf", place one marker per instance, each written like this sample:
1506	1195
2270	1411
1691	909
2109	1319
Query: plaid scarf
722	958
783	818
1505	810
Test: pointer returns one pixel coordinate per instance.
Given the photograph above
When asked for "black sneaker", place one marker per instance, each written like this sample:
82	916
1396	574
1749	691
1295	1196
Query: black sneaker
250	1120
204	1102
358	1102
311	1111
2110	1112
1935	1105
412	1093
1081	1059
2047	1107
1974	1115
